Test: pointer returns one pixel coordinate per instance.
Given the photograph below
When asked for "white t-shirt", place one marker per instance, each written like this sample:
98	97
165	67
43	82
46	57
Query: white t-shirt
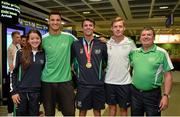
118	61
11	53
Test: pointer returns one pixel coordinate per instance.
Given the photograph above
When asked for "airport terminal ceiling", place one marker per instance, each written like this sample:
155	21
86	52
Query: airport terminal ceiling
137	13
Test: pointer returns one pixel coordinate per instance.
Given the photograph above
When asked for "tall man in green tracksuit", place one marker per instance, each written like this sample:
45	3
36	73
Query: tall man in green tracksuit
56	76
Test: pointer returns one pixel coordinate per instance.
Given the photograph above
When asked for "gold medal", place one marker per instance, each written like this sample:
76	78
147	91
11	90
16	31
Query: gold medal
88	65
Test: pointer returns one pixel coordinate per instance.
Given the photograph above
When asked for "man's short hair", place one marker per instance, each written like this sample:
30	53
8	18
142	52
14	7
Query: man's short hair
149	28
54	13
118	19
23	36
15	32
88	19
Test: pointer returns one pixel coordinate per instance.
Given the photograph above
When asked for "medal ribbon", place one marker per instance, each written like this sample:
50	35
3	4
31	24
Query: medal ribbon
88	50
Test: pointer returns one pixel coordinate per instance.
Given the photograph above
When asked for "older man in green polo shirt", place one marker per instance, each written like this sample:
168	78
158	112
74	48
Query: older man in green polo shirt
151	66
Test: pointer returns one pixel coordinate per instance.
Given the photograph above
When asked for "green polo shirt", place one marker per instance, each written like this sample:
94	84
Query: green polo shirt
57	51
148	67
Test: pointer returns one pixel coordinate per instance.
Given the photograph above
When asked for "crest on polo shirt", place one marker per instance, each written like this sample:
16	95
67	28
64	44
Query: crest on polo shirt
127	104
125	47
81	51
97	51
110	47
79	104
151	59
41	61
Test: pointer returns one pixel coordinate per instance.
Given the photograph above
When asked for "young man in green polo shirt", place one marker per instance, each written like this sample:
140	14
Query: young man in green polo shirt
150	65
56	76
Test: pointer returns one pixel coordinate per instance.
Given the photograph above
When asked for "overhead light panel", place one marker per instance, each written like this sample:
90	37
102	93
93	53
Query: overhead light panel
163	7
86	12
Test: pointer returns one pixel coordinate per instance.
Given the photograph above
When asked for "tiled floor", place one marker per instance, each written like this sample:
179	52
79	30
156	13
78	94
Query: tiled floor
174	104
173	110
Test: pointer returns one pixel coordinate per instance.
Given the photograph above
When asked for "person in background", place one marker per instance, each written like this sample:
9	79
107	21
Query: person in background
118	79
89	53
57	86
13	47
150	65
23	40
27	76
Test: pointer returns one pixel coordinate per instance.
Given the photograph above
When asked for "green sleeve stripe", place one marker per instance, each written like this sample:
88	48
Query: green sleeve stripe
14	110
100	70
19	77
76	67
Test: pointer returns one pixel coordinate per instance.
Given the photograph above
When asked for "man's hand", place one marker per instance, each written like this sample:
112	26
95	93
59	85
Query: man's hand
164	103
11	67
16	98
103	39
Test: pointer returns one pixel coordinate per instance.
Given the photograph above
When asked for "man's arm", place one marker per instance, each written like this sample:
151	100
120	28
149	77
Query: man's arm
10	58
167	89
167	82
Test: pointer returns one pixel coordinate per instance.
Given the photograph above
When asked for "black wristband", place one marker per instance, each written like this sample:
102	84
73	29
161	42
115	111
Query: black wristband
165	94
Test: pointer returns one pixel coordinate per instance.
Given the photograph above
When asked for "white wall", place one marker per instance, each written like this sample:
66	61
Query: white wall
176	76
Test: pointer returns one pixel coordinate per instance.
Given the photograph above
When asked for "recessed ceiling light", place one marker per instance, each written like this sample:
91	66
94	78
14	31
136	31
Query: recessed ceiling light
86	12
62	22
163	7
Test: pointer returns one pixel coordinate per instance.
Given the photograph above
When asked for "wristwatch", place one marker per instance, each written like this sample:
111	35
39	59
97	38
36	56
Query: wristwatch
165	94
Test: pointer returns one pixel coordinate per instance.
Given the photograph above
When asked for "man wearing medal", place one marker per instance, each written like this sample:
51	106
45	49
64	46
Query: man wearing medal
90	54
